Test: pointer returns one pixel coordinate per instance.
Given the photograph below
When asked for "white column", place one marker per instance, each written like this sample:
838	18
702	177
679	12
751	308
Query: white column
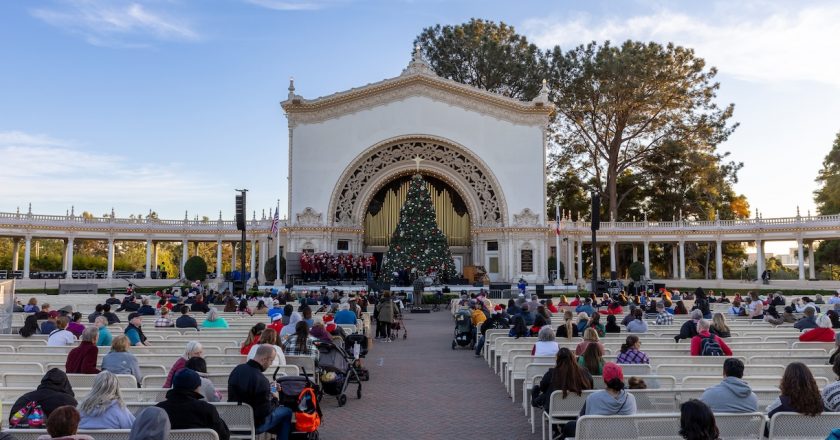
759	259
682	260
185	250
647	259
675	265
263	259
233	256
570	257
513	260
149	247
110	258
596	252
15	253
27	252
68	259
580	258
635	253
253	260
811	268
719	260
801	258
612	257
219	275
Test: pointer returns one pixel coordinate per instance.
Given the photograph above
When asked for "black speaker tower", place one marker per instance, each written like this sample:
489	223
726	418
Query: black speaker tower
241	208
595	224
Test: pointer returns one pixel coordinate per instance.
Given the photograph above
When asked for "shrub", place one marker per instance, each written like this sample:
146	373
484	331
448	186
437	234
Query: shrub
195	269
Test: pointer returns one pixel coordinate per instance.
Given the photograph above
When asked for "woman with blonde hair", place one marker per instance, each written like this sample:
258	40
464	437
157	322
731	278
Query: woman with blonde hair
590	336
120	361
719	326
568	330
103	407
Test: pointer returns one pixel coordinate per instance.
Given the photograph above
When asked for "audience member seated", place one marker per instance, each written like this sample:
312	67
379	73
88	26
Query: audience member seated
82	359
680	309
103	407
53	392
185	320
612	401
595	322
104	337
134	330
63	424
732	394
112	300
637	325
630	353
707	344
688	329
151	424
344	315
269	337
798	393
586	307
31	306
248	384
697	422
831	393
545	345
592	360
199	305
614	308
821	333
163	320
612	325
75	326
44	313
51	322
109	315
120	361
566	376
290	328
146	309
187	410
583	322
590	336
719	326
568	330
128	305
662	316
276	323
319	331
61	337
252	339
834	356
213	320
630	315
261	308
496	321
192	349
30	327
208	389
300	343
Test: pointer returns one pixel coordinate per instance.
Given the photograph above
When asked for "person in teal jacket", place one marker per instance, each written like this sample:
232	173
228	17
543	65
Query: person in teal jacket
213	320
105	337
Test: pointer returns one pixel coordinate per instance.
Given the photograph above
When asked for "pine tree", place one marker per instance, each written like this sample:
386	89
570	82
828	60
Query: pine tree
417	243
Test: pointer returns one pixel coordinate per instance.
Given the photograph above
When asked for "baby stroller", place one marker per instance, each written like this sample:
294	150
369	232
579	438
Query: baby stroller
463	330
337	371
299	394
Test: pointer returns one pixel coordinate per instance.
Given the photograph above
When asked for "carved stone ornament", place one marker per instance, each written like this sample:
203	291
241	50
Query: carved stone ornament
480	183
309	218
526	218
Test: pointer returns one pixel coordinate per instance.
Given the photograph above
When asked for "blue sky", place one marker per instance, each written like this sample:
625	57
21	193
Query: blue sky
171	104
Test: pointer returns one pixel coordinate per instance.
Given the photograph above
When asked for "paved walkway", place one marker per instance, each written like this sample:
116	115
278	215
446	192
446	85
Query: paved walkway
421	389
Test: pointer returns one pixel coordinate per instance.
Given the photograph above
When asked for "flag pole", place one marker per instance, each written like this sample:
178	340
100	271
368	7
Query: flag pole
557	244
277	245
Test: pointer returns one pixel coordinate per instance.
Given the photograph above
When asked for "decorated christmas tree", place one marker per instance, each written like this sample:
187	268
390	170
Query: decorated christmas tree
418	245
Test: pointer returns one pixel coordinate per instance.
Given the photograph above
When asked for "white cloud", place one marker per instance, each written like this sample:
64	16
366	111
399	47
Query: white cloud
39	168
116	23
767	45
292	5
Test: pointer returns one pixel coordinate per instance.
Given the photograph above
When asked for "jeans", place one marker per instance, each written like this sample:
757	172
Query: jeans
479	346
278	422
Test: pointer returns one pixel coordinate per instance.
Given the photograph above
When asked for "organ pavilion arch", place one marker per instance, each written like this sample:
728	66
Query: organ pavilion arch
482	154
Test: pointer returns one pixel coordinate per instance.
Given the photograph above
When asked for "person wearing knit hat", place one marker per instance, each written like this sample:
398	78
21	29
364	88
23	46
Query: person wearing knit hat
612	401
496	321
187	410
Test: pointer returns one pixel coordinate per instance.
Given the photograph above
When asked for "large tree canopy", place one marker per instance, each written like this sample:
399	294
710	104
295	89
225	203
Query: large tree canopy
827	198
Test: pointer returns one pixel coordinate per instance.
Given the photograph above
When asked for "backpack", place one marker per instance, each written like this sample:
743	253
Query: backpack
307	416
710	347
30	416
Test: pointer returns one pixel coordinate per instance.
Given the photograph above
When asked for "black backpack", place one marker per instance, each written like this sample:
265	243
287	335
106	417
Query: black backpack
709	346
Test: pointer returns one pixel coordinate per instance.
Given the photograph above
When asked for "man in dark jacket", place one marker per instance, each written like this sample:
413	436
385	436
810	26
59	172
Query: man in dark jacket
109	315
689	328
129	305
248	384
199	305
187	410
496	321
112	300
97	313
146	309
53	392
185	320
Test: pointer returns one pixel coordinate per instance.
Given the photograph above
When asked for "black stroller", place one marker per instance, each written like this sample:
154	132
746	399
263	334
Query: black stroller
291	390
463	330
337	371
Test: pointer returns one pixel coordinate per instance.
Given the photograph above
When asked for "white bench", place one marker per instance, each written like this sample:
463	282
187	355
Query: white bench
748	426
790	426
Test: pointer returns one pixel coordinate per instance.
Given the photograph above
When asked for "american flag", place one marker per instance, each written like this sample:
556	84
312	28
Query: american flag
275	222
557	221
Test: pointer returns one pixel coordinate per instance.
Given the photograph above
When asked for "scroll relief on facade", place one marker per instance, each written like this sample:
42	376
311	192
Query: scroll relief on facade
309	217
526	218
457	162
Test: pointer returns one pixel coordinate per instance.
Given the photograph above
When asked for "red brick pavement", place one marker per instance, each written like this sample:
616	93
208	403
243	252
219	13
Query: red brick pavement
421	389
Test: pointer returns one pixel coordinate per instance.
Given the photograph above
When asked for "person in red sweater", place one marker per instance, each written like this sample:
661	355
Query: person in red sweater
252	339
614	308
276	323
702	333
822	333
82	359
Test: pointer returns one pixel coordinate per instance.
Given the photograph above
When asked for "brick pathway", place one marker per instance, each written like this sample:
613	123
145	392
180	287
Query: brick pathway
421	389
